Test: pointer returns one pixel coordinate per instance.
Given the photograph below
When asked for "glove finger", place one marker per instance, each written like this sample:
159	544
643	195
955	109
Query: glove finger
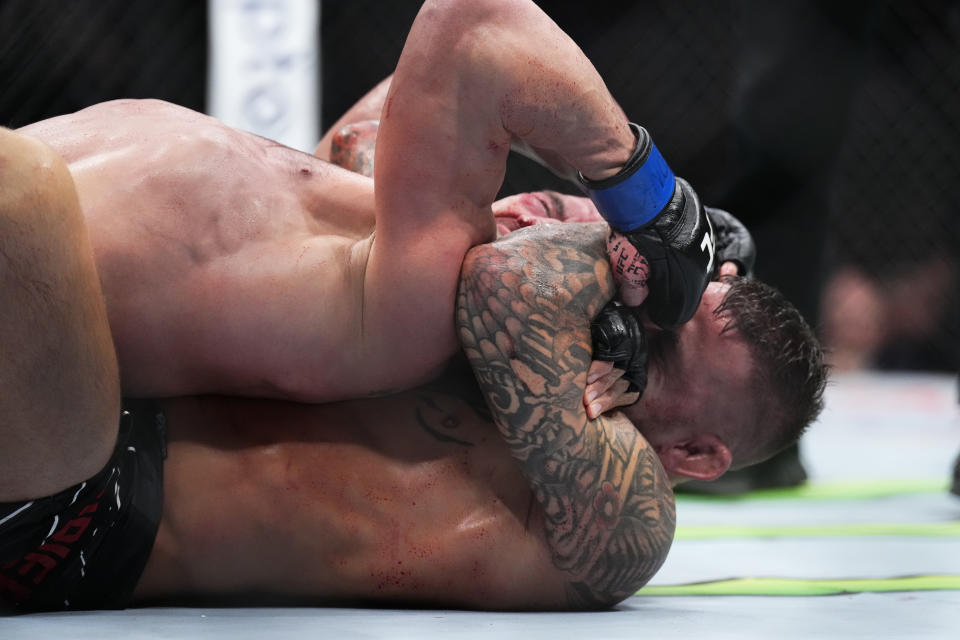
618	395
733	241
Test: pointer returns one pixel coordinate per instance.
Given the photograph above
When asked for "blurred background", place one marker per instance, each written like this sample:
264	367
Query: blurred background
830	128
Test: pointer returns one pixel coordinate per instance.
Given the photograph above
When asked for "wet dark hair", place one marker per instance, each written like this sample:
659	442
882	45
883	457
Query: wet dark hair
790	373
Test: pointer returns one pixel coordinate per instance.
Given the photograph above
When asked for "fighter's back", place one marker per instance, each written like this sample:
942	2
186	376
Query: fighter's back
410	498
201	235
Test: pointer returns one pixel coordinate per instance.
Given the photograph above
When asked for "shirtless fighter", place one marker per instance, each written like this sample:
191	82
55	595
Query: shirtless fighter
415	498
82	505
231	264
411	498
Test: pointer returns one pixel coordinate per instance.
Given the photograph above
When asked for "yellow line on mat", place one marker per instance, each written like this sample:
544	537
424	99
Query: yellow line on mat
831	491
913	529
797	587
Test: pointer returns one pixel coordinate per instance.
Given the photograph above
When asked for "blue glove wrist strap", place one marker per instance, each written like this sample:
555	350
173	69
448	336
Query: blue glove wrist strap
634	197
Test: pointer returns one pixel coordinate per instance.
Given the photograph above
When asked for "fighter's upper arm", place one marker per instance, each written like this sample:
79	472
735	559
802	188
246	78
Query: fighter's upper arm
523	315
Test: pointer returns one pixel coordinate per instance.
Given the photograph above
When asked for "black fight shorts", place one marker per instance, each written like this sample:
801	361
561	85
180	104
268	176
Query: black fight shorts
85	547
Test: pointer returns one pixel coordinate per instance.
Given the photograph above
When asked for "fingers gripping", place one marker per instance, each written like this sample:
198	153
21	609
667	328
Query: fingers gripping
607	389
618	337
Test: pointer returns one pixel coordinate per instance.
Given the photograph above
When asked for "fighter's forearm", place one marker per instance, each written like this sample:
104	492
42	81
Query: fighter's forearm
523	315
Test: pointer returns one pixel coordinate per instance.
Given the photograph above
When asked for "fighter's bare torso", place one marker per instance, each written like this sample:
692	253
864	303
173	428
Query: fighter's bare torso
327	503
206	237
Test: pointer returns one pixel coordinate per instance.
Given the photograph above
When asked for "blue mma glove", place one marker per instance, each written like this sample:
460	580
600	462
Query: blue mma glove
662	217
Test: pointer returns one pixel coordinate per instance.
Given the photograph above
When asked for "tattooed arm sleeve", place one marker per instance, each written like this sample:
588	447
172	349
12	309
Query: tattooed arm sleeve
523	314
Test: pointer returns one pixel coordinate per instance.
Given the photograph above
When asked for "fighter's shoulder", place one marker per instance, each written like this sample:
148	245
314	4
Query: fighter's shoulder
98	126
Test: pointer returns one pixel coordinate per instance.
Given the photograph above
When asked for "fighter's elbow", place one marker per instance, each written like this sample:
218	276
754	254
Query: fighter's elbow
453	20
633	555
594	595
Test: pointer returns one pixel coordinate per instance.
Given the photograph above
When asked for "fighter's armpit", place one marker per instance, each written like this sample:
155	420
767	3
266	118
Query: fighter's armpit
523	314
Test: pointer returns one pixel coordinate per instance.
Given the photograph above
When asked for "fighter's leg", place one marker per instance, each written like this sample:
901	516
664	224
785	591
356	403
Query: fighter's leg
59	386
474	77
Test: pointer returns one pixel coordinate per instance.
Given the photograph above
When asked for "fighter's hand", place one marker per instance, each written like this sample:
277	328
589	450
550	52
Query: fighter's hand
619	340
630	269
662	217
734	244
728	269
607	389
678	246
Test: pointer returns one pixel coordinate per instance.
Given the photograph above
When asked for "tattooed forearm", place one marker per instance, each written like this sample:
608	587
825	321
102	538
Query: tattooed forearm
523	315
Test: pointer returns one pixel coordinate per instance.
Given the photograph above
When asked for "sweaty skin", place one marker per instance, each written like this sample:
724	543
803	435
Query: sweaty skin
219	251
322	503
204	236
286	502
233	265
354	144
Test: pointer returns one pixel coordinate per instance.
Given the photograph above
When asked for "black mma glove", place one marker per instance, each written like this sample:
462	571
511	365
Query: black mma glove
678	245
618	337
662	217
733	242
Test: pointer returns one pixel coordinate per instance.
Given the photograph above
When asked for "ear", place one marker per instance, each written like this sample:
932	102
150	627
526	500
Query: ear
701	457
